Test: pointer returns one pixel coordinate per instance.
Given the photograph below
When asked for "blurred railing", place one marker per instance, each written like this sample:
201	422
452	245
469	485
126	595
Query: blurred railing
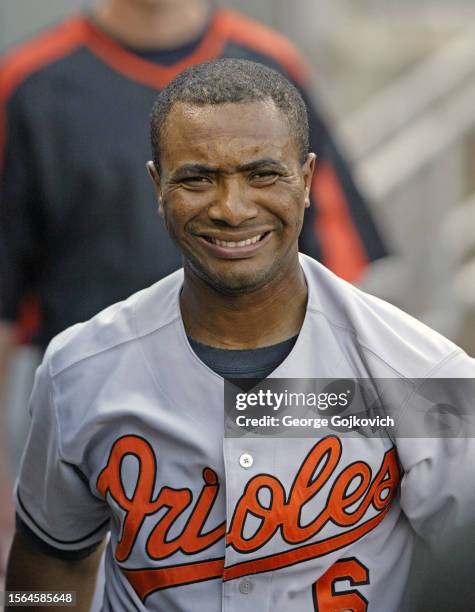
389	111
409	144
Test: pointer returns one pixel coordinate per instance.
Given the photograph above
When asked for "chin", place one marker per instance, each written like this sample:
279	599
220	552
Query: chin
236	286
236	282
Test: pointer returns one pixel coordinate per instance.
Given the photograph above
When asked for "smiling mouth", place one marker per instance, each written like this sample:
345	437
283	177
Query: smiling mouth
230	244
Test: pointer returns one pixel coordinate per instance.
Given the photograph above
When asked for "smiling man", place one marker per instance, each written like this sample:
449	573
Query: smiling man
128	431
236	208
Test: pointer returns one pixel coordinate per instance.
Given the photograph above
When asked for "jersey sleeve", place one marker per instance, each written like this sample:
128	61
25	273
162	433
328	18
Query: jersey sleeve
339	228
53	497
21	223
438	485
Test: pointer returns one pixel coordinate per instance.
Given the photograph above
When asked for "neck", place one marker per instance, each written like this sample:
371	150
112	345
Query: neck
250	320
148	25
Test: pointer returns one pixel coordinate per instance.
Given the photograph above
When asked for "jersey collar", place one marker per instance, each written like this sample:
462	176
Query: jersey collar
149	73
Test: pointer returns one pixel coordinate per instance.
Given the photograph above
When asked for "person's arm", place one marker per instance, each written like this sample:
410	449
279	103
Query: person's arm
8	336
438	484
60	521
30	570
8	340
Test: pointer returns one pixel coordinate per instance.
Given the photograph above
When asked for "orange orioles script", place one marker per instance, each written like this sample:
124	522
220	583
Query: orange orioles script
283	513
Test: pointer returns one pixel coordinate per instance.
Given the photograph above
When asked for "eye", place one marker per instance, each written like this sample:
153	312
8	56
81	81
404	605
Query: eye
195	181
264	176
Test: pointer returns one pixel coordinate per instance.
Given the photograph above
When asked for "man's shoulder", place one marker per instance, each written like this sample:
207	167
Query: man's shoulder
43	50
258	38
118	326
383	334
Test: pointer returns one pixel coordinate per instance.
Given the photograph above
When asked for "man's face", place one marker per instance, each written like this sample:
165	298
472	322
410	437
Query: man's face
233	191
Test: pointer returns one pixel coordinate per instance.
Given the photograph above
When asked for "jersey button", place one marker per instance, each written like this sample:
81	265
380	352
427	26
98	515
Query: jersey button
245	586
246	460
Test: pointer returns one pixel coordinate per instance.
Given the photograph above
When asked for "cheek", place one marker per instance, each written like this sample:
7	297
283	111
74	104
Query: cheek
171	214
290	205
179	208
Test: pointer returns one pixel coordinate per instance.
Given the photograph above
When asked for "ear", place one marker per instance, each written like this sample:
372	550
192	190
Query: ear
155	176
308	169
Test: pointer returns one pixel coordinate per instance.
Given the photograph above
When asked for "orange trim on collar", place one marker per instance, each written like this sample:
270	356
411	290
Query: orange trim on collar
265	40
150	73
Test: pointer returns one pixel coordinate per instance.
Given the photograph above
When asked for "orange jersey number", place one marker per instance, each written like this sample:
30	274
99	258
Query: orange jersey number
326	599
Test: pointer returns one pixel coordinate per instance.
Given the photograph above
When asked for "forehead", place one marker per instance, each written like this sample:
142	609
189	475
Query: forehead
226	133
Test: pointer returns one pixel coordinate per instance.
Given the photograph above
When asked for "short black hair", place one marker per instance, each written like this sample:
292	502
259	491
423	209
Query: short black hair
226	81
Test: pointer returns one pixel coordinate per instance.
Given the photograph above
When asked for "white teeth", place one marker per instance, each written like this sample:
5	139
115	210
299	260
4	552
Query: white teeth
234	245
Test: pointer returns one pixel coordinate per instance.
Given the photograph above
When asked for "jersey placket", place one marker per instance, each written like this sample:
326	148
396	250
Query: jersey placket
245	458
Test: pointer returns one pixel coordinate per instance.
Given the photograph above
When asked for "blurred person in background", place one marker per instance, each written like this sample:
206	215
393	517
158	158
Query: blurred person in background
77	214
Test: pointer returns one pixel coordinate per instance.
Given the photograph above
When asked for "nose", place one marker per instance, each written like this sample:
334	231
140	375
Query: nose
233	204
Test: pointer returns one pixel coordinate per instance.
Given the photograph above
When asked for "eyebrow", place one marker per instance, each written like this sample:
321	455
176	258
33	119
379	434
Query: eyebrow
196	169
255	165
204	169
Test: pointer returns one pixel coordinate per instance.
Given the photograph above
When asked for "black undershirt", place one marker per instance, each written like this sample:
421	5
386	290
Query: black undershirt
243	363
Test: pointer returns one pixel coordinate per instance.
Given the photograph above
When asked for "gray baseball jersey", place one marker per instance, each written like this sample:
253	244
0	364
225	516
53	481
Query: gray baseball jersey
127	436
